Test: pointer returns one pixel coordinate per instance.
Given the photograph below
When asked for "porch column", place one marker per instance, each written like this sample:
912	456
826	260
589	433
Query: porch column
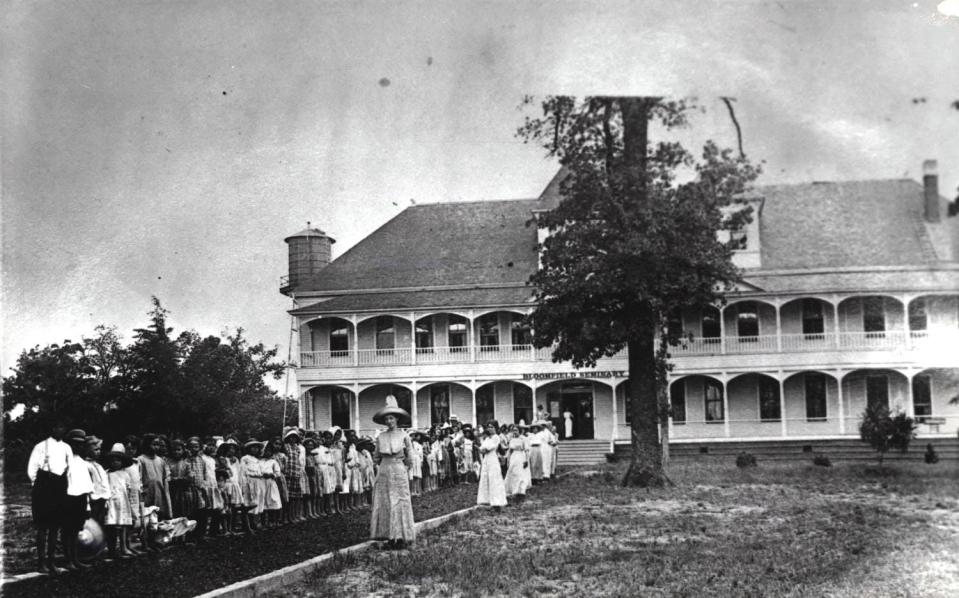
469	337
907	334
356	342
413	337
910	399
722	331
473	391
355	418
842	411
835	323
414	415
782	406
725	406
779	329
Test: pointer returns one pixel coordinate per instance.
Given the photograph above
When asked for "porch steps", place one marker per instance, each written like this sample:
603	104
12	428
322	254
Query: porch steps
582	452
846	449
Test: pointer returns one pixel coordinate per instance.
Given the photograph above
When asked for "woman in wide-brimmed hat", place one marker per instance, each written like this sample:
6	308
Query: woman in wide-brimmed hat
392	518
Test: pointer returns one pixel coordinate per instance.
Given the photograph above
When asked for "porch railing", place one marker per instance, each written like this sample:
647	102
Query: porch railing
730	345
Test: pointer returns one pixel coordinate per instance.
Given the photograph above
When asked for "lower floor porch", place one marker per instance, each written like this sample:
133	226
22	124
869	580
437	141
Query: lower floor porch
711	406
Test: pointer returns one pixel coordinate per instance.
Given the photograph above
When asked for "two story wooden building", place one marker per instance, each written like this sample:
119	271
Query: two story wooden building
850	295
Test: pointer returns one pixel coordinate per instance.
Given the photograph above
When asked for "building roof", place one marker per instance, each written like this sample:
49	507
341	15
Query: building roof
484	242
843	224
813	237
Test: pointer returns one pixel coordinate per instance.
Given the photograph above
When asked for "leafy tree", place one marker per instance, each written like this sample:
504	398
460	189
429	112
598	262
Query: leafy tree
224	382
51	384
884	431
629	243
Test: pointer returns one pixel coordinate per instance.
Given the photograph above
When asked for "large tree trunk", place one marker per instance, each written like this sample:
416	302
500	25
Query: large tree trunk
646	465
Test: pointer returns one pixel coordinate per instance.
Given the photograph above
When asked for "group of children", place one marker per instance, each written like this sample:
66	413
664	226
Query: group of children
451	453
145	492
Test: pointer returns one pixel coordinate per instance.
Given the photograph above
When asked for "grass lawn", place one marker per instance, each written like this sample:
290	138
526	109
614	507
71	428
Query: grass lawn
785	529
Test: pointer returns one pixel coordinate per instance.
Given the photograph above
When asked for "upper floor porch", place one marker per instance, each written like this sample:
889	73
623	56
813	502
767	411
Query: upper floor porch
783	328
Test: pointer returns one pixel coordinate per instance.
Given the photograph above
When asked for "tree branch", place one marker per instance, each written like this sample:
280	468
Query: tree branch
732	114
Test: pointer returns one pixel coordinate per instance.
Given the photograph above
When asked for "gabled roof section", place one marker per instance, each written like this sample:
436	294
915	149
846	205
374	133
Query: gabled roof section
463	243
845	224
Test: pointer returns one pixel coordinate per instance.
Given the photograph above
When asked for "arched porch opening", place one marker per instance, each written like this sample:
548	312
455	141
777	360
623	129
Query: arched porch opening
755	405
373	398
436	402
327	341
808	324
502	332
750	326
330	405
442	338
698	406
384	339
935	400
871	321
813	403
581	409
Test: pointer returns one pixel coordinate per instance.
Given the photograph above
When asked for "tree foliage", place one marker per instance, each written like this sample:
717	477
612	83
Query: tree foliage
631	241
174	384
884	431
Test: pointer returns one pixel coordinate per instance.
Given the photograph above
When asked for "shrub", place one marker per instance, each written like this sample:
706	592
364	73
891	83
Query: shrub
884	431
931	455
821	461
745	459
612	457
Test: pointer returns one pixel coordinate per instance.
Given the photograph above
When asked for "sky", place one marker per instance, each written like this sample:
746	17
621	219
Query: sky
167	148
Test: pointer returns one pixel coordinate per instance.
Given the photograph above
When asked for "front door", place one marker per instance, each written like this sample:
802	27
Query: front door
577	416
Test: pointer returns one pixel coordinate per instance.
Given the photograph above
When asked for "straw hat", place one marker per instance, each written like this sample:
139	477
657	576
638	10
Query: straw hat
77	435
391	408
119	451
253	442
291	431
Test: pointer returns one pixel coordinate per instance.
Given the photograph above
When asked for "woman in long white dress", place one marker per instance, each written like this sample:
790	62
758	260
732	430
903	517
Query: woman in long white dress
392	518
568	425
517	471
492	489
547	444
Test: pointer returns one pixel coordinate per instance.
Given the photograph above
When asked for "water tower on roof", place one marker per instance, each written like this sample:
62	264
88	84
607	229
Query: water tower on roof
311	250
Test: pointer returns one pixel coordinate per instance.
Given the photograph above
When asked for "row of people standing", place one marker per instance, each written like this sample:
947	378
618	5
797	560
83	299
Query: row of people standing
145	491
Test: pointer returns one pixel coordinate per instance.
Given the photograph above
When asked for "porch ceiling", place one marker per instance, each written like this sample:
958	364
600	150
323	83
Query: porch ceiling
420	299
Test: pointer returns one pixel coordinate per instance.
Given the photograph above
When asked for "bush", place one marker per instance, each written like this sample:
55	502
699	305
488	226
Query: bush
931	455
612	457
745	459
821	461
884	431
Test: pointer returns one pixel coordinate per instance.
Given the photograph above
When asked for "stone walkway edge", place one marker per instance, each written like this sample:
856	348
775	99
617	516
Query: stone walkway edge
273	581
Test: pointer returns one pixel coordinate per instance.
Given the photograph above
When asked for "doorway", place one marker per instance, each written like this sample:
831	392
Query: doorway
576	399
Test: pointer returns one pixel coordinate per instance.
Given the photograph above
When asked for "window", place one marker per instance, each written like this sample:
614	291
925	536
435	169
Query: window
713	394
738	240
424	334
520	333
815	387
457	334
877	391
812	319
489	332
522	403
674	323
747	321
339	340
769	405
340	408
439	403
385	333
484	405
873	317
711	328
922	397
677	401
404	399
917	315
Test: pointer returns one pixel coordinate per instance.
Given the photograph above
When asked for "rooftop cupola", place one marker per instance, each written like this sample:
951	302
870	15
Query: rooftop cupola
310	251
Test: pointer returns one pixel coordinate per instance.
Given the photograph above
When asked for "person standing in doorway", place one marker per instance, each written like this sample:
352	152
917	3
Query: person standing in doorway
567	425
